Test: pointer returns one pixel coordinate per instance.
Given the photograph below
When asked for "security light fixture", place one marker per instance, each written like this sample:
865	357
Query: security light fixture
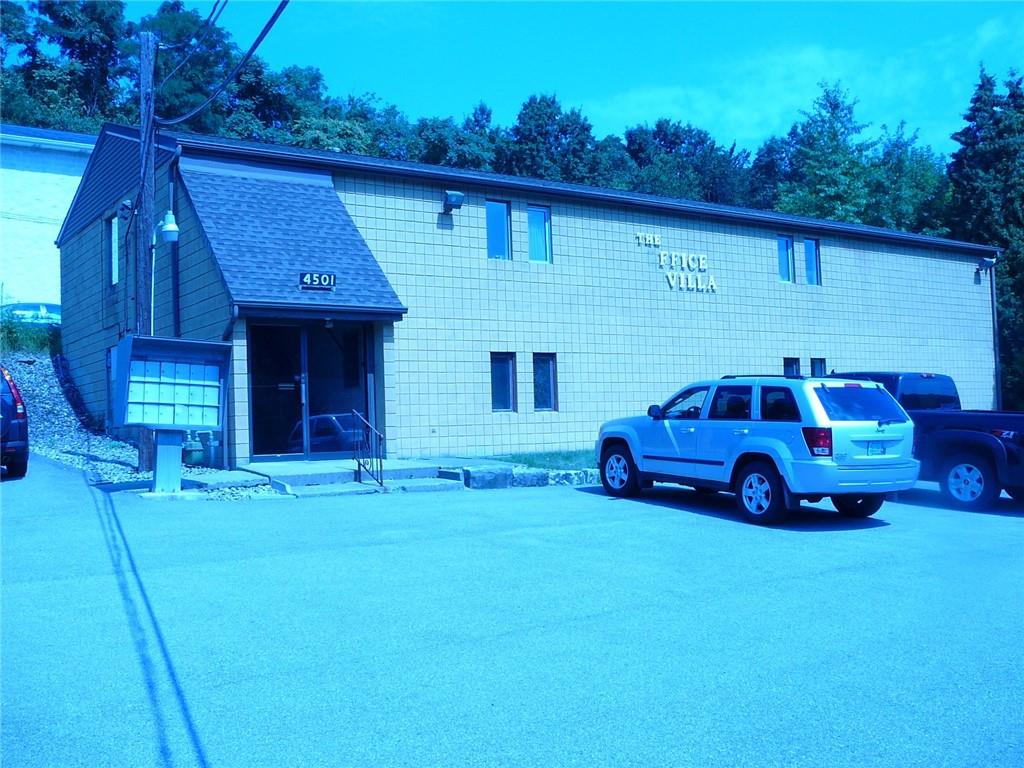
169	228
453	200
985	264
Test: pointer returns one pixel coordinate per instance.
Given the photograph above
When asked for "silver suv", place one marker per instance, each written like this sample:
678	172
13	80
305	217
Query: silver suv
771	440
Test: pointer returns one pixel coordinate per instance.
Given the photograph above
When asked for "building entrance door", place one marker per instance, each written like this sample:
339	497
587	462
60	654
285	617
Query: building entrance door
307	384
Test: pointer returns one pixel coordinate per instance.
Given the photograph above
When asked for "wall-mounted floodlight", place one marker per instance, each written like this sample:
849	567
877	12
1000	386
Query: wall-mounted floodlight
453	200
985	264
169	228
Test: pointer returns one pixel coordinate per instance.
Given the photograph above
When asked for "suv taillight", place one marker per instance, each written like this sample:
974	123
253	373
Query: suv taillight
819	440
19	404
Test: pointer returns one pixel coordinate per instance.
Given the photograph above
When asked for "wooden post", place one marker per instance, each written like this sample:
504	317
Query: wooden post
144	225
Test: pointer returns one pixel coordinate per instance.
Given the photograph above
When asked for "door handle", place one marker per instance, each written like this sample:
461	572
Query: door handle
690	430
741	431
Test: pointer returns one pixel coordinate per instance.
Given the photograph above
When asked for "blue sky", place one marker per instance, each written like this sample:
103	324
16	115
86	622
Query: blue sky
741	70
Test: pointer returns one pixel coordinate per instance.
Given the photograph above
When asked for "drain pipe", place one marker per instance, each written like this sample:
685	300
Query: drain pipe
172	172
229	330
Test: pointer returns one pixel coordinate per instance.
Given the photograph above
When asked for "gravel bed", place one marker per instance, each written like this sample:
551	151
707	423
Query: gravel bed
56	432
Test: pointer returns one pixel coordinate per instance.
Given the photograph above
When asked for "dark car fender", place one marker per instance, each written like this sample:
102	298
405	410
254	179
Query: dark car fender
934	448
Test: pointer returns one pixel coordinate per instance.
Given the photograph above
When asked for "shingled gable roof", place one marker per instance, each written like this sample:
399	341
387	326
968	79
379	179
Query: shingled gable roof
310	158
112	170
265	226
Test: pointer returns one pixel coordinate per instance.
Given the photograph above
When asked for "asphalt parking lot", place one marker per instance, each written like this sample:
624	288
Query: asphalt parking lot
524	627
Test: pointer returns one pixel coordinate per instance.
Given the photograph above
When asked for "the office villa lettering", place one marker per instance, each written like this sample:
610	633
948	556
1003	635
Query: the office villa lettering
683	271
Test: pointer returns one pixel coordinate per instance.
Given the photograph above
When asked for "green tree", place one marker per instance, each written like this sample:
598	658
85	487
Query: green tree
907	185
986	175
548	143
830	173
772	167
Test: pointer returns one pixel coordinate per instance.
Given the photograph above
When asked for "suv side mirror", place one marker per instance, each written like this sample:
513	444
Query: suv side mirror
655	412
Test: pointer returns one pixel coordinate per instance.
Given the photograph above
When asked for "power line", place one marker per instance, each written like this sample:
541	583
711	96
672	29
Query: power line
205	28
231	76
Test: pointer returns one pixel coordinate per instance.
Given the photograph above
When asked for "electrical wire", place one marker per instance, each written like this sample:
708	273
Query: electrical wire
204	28
231	76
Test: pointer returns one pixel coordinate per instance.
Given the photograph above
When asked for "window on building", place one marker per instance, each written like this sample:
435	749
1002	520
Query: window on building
503	381
791	366
110	247
499	239
545	382
818	366
786	263
812	254
539	219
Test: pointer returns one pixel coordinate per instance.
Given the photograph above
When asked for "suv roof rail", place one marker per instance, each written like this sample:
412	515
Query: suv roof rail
763	376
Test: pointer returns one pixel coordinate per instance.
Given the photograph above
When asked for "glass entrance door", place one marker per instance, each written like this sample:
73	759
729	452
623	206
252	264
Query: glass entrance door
275	373
306	382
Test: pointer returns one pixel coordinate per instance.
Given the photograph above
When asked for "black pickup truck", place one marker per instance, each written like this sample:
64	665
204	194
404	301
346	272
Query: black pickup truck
973	455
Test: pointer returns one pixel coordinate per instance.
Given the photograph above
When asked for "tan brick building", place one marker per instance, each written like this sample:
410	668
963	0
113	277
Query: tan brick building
467	313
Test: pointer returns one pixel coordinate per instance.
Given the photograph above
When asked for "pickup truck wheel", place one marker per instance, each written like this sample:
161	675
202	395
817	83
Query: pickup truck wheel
850	505
619	475
759	494
1016	493
969	481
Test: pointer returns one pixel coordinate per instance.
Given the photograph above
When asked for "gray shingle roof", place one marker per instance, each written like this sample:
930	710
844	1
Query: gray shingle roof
266	228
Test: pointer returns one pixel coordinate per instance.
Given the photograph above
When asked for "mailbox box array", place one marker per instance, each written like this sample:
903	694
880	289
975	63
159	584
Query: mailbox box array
162	392
170	384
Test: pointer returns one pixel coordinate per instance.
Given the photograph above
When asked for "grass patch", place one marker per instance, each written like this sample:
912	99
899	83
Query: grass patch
553	459
17	337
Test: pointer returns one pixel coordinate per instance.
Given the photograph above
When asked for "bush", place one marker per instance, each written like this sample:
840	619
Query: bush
21	337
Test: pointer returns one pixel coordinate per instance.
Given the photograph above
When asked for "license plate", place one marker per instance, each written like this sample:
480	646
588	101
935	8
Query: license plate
876	449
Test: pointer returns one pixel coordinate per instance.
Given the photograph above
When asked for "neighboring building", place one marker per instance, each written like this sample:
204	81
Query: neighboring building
39	173
467	313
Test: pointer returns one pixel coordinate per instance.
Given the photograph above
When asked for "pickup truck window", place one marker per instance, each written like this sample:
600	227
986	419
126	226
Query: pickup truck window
851	402
928	393
731	402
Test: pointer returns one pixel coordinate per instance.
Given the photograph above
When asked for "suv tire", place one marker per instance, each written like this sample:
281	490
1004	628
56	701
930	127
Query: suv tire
619	475
969	481
17	466
759	494
850	505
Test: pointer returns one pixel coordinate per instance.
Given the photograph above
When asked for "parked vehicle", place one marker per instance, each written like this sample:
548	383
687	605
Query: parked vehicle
328	433
771	440
13	427
972	455
35	313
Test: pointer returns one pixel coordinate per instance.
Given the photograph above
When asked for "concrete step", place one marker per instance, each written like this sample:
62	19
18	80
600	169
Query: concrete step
425	484
328	489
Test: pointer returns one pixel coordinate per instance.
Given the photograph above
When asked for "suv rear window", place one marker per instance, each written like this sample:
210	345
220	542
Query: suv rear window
859	403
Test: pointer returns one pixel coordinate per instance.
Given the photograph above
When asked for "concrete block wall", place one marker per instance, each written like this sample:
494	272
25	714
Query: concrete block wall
623	336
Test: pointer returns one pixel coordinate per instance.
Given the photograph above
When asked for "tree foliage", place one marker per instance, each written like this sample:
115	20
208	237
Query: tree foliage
74	64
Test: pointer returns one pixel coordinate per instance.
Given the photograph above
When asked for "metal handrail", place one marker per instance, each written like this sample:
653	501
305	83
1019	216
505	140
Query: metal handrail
369	451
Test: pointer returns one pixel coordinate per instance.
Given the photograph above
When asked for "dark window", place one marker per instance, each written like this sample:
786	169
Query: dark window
818	366
499	242
545	382
503	381
539	221
812	254
928	392
791	366
859	402
687	404
786	264
731	402
778	404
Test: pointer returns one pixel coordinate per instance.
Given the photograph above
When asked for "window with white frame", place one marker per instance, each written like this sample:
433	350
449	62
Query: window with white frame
499	238
539	224
786	263
111	250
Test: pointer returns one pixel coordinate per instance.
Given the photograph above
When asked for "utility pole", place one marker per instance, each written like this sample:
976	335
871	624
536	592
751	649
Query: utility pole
144	229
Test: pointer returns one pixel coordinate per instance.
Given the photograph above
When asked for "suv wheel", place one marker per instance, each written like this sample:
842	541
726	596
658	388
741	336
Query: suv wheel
969	481
849	505
619	475
759	494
